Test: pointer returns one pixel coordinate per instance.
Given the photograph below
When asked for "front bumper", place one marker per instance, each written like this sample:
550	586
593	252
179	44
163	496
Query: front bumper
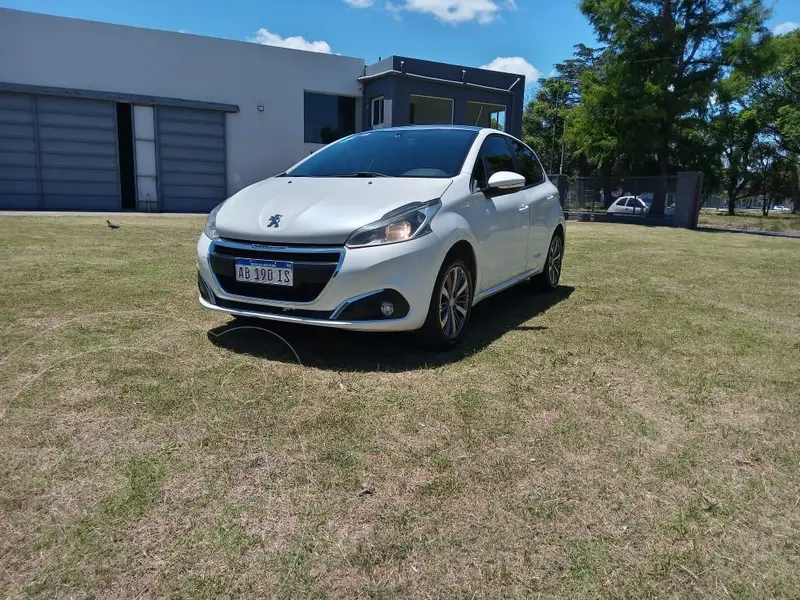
407	269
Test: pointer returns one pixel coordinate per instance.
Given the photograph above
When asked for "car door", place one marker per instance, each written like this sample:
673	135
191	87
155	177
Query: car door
540	196
503	227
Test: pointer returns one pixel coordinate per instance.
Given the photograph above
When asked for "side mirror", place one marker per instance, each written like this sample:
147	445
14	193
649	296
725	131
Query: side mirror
505	181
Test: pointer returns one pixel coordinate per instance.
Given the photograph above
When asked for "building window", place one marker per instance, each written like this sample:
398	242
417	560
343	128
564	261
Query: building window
378	117
328	117
425	110
486	115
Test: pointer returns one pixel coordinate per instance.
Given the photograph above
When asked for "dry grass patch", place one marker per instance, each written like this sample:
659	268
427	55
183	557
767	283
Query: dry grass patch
632	435
775	221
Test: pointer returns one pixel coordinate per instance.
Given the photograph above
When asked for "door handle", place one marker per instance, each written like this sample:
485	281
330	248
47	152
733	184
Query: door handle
523	207
551	196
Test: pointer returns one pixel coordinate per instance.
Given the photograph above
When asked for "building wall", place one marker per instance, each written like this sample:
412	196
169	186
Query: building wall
53	51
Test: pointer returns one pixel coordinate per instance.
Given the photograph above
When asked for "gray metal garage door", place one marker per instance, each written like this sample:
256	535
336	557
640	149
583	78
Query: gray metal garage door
58	153
19	178
191	158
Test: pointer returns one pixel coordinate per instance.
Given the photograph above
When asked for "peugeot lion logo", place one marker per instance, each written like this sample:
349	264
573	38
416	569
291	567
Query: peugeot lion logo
275	221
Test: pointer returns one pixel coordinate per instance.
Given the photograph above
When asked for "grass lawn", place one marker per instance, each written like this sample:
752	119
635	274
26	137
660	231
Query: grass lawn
750	220
635	434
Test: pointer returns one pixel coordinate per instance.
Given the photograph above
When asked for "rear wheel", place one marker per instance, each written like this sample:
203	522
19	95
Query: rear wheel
551	274
450	307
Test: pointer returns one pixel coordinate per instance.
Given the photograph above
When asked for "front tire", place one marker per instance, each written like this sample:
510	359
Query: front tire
450	307
548	279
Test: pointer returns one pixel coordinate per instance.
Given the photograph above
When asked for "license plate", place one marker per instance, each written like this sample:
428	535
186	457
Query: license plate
269	272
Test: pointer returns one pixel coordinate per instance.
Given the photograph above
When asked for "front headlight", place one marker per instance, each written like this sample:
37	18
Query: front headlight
406	223
211	223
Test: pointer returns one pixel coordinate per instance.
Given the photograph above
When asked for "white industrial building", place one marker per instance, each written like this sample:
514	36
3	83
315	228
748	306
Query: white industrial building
107	117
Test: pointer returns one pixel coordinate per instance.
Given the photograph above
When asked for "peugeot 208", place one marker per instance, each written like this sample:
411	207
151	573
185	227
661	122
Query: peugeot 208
396	229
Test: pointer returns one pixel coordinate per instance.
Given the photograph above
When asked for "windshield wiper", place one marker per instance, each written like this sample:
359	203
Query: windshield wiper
366	174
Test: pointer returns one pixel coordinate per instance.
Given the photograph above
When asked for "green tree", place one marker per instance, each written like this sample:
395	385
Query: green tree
664	60
735	123
545	120
778	95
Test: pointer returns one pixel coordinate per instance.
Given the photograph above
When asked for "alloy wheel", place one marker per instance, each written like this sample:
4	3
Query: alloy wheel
454	299
554	261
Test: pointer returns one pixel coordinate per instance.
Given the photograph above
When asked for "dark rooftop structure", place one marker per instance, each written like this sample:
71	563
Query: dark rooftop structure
407	91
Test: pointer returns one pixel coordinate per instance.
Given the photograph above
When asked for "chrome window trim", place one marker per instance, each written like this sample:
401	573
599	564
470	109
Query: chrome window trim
221	293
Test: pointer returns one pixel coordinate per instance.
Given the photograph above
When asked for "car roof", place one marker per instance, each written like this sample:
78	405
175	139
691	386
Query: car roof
443	127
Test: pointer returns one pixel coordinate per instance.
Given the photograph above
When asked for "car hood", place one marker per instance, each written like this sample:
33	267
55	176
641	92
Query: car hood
318	210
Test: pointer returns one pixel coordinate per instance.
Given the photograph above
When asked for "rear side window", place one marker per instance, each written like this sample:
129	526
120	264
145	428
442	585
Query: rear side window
496	156
527	164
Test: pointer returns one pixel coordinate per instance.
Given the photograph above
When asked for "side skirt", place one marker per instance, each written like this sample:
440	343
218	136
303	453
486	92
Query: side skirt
495	289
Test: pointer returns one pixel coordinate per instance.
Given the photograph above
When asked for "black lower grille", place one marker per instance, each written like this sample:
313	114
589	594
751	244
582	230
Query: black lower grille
312	272
272	310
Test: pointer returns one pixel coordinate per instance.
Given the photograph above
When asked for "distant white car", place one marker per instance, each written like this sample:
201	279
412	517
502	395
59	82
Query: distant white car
633	205
628	205
781	208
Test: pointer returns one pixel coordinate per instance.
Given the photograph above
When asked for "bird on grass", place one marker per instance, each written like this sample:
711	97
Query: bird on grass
111	225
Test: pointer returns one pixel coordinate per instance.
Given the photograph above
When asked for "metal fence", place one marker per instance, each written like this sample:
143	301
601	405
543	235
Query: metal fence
588	198
720	203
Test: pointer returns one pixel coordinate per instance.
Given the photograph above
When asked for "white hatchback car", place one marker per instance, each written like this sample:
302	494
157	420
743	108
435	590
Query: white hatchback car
633	205
628	205
395	229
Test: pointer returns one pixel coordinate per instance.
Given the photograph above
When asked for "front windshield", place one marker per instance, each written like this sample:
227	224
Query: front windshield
392	153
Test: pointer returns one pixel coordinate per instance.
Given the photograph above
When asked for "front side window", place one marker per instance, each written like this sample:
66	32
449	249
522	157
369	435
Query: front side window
496	155
527	164
399	153
377	111
327	117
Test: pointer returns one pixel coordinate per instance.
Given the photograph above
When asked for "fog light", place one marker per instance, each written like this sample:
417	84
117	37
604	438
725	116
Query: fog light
387	308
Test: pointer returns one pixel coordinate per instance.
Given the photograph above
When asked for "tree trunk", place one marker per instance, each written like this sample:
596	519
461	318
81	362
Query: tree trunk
608	199
731	199
796	189
660	193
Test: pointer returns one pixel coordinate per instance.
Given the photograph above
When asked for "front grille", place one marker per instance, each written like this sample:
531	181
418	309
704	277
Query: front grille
312	271
297	254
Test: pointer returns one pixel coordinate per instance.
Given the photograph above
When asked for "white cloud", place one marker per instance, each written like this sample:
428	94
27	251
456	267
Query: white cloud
785	27
394	9
450	11
268	38
516	65
360	3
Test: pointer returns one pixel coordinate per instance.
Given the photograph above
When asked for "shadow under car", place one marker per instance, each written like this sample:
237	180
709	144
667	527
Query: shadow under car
341	350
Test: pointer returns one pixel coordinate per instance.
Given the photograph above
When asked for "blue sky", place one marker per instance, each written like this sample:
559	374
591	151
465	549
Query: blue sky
521	36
